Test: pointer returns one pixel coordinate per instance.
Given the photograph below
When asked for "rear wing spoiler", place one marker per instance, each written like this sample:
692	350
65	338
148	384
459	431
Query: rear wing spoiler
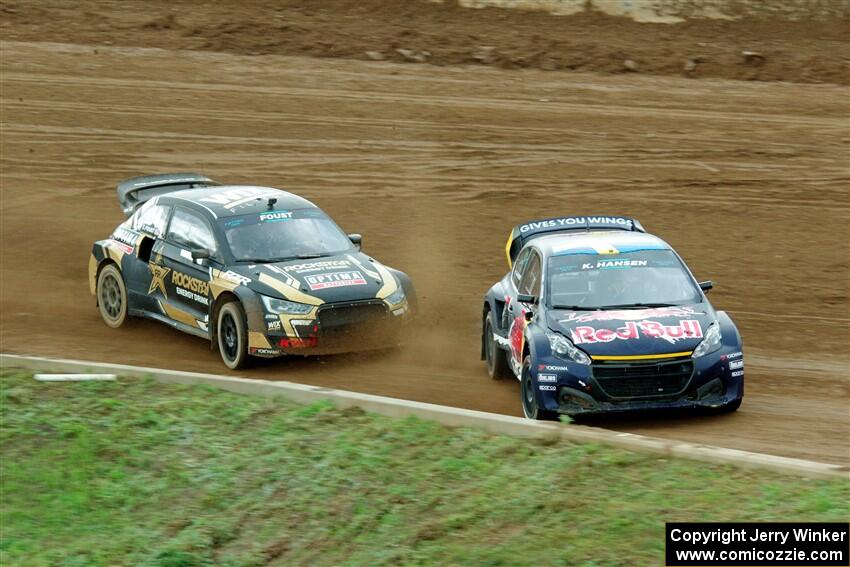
136	190
522	233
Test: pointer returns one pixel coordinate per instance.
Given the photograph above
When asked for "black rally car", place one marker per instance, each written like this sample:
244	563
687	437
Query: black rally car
256	270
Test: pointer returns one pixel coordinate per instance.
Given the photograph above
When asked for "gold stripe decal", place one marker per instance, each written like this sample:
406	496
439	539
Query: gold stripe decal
644	356
508	248
288	292
178	314
390	285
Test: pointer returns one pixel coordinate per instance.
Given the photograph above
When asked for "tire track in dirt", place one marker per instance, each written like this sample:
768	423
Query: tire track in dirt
747	181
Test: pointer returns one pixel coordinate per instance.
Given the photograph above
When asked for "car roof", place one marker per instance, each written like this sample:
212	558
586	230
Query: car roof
232	200
598	242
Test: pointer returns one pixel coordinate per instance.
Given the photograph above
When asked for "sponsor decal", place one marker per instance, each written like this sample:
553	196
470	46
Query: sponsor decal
126	236
607	264
192	295
335	279
232	276
549	368
630	314
275	216
270	317
158	274
567	222
190	287
123	247
547	387
737	373
516	336
547	378
268	351
738	354
687	329
736	364
274	325
317	266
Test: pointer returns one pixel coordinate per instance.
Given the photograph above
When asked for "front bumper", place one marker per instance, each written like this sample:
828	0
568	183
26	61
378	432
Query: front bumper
331	328
709	382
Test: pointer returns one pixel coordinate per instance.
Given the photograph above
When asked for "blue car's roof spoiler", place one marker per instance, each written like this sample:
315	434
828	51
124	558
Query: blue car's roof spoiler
522	233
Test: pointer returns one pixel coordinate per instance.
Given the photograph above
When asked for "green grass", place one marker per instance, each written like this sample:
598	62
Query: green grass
141	473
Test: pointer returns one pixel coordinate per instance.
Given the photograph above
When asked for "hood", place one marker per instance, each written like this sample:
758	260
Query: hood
634	332
351	276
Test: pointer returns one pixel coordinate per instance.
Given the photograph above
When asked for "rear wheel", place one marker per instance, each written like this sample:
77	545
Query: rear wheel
112	296
232	335
528	392
495	357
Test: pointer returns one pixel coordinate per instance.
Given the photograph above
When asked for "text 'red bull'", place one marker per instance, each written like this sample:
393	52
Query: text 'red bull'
687	329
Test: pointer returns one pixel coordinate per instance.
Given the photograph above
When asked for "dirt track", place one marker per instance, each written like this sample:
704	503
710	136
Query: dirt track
749	181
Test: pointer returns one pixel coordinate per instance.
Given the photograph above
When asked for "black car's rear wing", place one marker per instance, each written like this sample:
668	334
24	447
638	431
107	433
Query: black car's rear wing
522	233
136	190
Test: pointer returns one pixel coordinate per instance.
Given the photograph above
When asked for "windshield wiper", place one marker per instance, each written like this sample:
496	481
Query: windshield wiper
283	258
575	307
268	260
636	305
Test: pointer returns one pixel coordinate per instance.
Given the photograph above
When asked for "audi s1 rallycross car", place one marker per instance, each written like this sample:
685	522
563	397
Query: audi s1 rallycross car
257	271
596	315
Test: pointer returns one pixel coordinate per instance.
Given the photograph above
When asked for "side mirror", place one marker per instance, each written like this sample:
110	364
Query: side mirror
706	285
523	298
356	239
200	254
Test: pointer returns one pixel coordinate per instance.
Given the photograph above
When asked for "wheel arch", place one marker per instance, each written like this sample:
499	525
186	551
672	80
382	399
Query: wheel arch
98	268
729	331
223	297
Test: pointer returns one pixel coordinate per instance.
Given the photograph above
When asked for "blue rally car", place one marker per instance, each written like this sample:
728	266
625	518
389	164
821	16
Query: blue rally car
598	316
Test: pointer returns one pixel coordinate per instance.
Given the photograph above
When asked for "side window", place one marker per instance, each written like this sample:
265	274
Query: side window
530	283
190	231
519	265
151	218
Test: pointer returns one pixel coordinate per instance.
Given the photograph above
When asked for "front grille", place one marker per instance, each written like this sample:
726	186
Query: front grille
344	319
643	379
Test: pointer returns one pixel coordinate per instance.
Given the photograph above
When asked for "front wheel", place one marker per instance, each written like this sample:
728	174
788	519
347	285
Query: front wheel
530	407
112	296
495	357
232	335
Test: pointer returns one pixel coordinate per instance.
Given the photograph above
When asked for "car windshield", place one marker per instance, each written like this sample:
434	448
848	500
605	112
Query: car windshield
643	278
286	234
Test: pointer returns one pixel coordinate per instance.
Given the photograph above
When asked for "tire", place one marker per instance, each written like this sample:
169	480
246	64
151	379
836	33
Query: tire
528	395
495	357
112	296
232	335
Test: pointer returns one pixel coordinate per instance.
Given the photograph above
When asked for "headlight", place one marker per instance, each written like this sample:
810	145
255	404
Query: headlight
396	297
564	348
283	306
710	343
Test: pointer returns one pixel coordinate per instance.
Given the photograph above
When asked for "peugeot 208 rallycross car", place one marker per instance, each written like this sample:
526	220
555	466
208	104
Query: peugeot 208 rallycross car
257	271
596	316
